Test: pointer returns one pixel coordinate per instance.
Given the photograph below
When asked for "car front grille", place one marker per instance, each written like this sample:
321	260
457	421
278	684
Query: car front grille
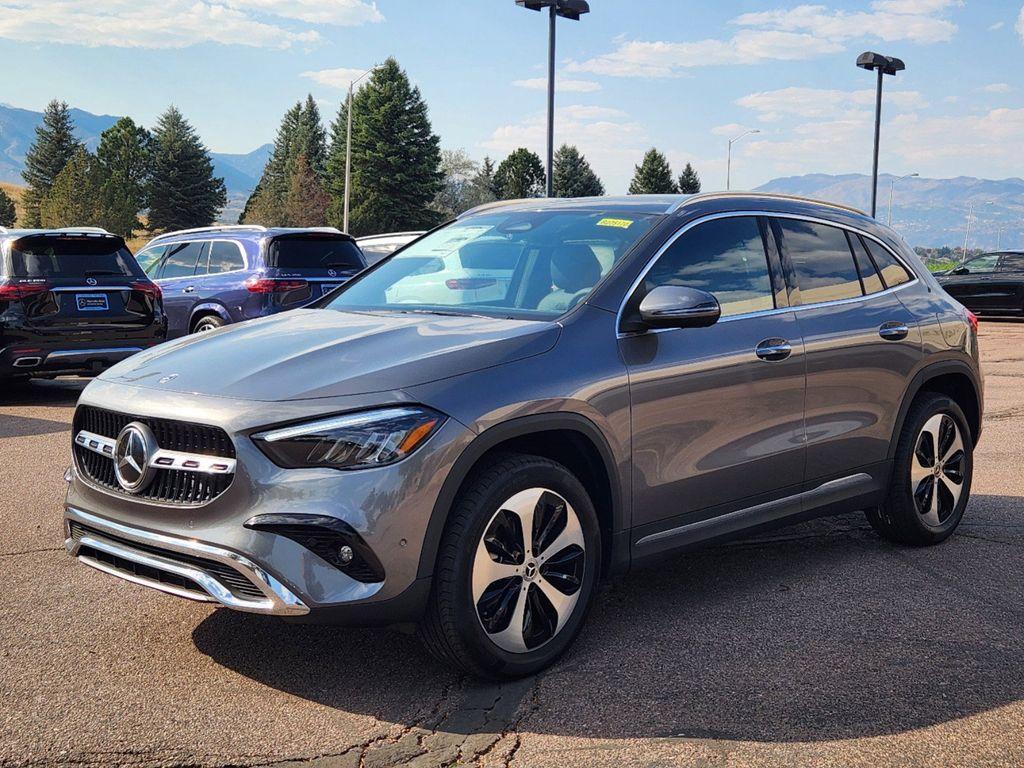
172	486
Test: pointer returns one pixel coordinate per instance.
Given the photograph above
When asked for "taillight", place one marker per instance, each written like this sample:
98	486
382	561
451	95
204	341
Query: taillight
150	289
269	285
973	320
470	283
15	291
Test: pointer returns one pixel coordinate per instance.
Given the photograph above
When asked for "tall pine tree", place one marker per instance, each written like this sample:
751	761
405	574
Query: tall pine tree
689	181
72	199
183	191
396	157
573	176
306	203
519	175
653	176
124	158
53	147
8	212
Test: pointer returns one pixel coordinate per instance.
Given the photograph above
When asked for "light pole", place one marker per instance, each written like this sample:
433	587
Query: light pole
884	65
892	184
567	9
728	156
967	234
348	145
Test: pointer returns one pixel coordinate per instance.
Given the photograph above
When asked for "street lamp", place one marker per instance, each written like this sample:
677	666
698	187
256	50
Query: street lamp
728	155
892	184
567	9
883	65
348	145
967	234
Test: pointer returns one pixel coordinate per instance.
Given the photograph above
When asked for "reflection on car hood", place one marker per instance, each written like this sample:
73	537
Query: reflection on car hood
309	353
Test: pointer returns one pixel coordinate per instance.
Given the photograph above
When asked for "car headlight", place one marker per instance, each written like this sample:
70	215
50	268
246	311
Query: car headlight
351	441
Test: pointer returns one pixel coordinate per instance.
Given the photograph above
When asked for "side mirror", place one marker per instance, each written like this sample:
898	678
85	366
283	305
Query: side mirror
674	306
960	271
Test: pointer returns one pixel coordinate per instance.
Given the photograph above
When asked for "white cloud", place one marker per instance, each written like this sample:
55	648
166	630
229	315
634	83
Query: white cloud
334	78
798	33
729	129
997	26
174	23
1020	23
997	88
824	103
563	86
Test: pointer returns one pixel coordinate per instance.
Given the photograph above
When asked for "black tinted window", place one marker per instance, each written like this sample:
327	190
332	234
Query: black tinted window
310	252
724	257
224	257
866	267
893	273
1011	262
181	260
71	257
822	261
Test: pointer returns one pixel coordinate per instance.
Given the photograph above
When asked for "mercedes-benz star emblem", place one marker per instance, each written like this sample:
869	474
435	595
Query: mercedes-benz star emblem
90	281
332	272
168	379
133	450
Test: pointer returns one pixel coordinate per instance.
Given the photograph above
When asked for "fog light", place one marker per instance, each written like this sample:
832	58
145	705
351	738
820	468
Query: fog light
345	554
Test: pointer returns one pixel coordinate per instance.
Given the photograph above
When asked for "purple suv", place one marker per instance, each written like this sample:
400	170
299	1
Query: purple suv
213	276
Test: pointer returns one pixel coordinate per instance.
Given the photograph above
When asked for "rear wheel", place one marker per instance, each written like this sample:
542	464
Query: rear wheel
516	570
208	323
932	475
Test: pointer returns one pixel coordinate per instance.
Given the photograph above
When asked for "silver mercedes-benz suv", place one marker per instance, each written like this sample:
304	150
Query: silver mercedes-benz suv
624	378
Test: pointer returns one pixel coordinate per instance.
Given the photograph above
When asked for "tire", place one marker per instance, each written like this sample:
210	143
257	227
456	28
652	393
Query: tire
503	582
208	323
924	504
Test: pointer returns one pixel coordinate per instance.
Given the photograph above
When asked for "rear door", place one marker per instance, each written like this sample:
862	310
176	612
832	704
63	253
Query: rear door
971	284
86	286
310	265
177	277
861	344
1009	282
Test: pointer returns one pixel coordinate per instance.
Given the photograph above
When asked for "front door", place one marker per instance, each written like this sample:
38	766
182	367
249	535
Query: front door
177	278
717	412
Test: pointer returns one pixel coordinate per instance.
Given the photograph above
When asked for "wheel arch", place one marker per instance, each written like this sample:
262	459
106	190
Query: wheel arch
207	308
953	378
567	438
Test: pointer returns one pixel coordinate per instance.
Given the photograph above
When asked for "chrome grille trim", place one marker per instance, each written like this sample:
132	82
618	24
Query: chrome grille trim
162	459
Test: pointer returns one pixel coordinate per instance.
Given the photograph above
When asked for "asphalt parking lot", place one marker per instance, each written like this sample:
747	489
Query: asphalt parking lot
817	645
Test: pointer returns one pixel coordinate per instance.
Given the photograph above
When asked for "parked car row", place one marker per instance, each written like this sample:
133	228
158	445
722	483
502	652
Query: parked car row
989	284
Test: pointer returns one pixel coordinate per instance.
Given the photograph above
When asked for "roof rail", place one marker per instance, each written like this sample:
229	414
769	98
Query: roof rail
770	195
96	230
215	228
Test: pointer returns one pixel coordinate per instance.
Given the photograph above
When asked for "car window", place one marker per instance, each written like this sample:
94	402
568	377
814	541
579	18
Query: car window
224	257
149	258
1011	262
868	274
181	260
71	256
725	257
893	273
982	264
314	251
376	251
822	261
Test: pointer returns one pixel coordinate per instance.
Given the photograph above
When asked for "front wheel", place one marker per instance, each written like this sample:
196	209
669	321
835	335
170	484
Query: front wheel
931	481
516	570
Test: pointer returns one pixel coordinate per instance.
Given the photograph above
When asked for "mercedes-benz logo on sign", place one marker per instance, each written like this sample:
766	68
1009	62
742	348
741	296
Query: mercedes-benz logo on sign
133	450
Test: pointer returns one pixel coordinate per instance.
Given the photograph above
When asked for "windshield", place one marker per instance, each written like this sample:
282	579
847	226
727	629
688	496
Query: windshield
298	252
523	264
72	257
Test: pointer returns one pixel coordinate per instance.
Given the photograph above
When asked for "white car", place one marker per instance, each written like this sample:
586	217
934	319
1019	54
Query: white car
376	247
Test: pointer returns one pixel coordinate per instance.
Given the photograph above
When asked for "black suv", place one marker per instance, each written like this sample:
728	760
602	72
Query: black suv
989	284
72	302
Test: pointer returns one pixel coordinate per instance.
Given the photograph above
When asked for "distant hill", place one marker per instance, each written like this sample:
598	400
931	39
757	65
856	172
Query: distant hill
927	212
18	127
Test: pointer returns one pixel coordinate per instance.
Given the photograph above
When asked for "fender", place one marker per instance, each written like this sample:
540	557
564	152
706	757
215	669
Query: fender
205	308
506	431
931	371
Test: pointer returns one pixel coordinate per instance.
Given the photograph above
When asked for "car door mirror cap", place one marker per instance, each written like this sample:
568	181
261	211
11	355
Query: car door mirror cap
676	306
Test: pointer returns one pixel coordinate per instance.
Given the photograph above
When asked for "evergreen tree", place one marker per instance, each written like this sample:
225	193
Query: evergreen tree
124	157
456	195
689	181
573	176
519	175
72	199
653	176
310	138
306	202
266	203
395	157
8	213
53	147
245	217
484	188
183	191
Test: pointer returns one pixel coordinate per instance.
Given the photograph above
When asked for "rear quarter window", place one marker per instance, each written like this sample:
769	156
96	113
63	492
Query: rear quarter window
893	273
72	257
822	260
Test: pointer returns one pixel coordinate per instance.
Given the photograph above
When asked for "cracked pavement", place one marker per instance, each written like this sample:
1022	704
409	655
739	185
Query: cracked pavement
814	645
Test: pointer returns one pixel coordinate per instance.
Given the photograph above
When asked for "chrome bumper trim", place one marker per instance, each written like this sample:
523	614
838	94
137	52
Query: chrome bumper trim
68	354
162	459
279	600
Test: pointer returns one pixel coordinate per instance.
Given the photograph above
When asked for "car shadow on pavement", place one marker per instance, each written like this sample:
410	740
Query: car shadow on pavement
821	631
41	392
24	426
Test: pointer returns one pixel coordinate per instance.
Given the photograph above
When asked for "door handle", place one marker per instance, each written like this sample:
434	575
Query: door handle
188	289
773	350
893	331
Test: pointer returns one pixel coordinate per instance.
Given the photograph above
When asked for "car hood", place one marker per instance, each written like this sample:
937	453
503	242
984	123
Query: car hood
308	353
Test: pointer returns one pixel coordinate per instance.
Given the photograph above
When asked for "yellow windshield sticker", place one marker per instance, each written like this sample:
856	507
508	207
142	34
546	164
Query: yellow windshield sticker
620	223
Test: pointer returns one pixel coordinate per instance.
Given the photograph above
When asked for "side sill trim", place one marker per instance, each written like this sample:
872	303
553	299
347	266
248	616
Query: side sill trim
833	490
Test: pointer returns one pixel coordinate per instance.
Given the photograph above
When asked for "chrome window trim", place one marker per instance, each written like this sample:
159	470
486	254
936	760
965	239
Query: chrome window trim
766	312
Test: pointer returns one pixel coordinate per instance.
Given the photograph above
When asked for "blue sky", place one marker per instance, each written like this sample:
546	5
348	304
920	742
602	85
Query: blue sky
682	76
